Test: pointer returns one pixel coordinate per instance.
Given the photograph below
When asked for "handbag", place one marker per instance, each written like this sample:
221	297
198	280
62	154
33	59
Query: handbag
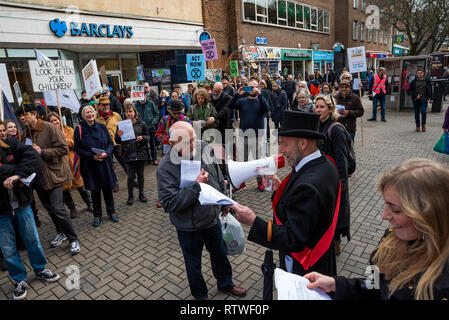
442	144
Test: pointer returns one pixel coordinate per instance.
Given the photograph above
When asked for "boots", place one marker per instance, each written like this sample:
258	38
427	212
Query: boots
423	128
337	244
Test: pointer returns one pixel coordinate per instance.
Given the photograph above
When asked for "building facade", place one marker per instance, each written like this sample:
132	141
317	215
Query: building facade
152	36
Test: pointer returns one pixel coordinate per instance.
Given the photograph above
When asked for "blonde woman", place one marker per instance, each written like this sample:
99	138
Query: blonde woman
163	102
336	145
413	255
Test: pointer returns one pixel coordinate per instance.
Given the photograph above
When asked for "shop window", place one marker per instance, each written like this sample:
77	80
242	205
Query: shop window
282	12
314	19
261	11
362	5
249	9
30	53
299	16
2	53
272	12
362	32
320	21
355	30
307	18
109	64
129	68
291	14
381	36
327	22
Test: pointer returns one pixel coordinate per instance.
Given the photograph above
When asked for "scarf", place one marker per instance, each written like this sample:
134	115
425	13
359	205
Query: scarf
104	115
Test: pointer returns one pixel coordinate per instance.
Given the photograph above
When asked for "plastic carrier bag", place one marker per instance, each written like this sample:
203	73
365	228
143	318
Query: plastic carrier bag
232	235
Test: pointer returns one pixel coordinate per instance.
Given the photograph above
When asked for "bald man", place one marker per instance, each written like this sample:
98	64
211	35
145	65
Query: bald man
220	101
197	226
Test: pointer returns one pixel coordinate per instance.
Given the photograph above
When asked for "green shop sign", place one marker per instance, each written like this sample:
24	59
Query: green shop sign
292	54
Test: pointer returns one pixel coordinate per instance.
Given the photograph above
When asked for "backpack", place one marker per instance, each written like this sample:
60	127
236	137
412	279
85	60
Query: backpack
314	89
351	153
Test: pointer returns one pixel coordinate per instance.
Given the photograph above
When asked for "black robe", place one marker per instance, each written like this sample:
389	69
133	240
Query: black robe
306	209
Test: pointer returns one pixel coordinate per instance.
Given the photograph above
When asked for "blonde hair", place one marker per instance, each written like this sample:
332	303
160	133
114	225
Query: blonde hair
331	105
423	189
305	87
164	92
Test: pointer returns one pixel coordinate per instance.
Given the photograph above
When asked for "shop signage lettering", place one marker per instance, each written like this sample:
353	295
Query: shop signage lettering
296	54
91	30
50	75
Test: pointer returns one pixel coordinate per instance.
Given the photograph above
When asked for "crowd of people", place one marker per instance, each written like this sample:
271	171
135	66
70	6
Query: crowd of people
316	122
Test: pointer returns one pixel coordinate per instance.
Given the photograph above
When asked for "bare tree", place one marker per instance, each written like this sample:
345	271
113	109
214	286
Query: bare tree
424	22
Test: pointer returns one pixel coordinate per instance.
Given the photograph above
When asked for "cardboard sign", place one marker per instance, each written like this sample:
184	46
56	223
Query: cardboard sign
196	67
209	49
91	78
137	93
234	67
51	75
18	93
357	59
103	76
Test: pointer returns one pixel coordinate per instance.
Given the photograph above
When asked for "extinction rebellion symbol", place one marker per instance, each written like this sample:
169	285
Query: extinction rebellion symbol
196	73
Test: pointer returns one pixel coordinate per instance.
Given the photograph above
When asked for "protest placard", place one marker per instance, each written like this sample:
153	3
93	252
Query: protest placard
4	81
209	49
357	59
213	75
52	75
196	67
18	93
91	78
137	93
234	67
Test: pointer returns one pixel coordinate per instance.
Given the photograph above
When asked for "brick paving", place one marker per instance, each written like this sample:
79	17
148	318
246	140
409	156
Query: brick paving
140	258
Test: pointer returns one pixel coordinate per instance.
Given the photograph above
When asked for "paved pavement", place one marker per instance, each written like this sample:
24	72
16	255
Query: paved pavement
140	257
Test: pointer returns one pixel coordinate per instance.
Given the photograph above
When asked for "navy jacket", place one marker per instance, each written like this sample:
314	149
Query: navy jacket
412	89
96	174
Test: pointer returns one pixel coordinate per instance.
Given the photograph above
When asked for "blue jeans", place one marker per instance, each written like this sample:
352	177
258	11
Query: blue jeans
376	100
192	244
420	106
28	232
352	134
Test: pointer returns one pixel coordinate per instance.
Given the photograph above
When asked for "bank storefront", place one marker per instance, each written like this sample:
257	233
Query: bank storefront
116	42
296	61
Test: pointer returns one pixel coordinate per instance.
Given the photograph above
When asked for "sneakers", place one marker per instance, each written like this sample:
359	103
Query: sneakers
60	238
48	276
372	119
114	218
97	222
260	185
130	200
142	198
74	247
20	290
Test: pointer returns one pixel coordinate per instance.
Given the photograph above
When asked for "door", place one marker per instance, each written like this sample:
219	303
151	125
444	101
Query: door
114	80
408	74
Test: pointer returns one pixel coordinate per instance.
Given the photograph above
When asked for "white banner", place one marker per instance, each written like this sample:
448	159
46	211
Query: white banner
18	93
52	75
137	93
357	59
91	78
4	81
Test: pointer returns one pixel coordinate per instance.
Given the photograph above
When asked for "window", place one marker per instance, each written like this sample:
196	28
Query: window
314	19
272	12
381	36
282	12
291	14
327	22
261	11
362	32
368	34
299	16
320	20
355	30
362	5
356	4
249	8
307	18
375	33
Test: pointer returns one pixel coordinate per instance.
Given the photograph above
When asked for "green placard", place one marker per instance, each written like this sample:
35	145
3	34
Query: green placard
234	66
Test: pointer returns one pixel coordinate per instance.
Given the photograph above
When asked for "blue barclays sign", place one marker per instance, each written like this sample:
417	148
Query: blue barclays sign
91	30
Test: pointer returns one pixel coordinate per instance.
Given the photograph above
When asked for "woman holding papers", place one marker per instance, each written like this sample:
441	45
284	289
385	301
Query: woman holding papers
134	152
77	181
411	259
95	147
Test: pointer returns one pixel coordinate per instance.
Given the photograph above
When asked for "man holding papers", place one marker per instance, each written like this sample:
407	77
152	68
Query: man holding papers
196	225
305	204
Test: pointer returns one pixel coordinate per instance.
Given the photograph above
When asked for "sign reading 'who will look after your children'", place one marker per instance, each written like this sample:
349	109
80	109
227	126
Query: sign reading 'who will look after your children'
51	75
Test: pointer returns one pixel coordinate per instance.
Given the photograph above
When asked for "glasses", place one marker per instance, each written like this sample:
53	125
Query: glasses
104	104
347	78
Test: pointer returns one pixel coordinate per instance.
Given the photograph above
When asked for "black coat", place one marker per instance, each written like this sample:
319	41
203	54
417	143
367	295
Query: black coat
16	158
279	103
306	209
336	146
290	88
412	89
96	174
115	104
223	112
133	150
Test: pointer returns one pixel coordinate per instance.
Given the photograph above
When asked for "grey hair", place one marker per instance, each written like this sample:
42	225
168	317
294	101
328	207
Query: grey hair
87	107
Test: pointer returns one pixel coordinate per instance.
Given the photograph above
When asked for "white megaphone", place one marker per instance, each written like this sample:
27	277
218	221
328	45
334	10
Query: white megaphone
239	172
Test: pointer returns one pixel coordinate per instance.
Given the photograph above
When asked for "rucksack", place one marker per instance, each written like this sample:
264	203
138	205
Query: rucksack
350	144
314	89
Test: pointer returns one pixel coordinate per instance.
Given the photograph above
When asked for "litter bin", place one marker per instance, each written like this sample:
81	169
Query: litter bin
438	92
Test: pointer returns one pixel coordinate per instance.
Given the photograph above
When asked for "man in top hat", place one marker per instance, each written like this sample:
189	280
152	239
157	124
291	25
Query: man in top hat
304	203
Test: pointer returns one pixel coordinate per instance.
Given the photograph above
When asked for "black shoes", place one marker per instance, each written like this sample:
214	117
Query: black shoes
142	198
130	200
372	119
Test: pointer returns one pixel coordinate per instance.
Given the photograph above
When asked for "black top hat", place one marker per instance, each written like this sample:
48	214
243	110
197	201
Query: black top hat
300	125
26	107
175	105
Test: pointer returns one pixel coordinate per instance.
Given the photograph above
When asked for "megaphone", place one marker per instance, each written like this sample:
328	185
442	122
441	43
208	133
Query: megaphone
239	172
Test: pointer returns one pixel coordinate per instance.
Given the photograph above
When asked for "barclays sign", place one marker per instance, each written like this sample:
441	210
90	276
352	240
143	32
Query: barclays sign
59	28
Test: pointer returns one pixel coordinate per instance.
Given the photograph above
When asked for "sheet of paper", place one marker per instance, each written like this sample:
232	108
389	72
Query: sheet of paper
339	109
355	84
128	130
28	142
190	169
211	196
97	151
293	287
27	181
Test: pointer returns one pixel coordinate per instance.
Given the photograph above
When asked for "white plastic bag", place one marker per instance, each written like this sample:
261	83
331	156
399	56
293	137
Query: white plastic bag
232	235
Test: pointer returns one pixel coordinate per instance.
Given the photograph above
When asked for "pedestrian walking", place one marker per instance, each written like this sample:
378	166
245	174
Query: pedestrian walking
279	105
421	91
353	107
95	147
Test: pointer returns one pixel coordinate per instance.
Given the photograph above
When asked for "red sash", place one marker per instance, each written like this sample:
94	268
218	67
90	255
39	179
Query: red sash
307	258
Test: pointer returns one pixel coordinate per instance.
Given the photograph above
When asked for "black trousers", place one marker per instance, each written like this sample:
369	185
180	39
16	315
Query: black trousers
85	195
52	200
135	168
108	200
